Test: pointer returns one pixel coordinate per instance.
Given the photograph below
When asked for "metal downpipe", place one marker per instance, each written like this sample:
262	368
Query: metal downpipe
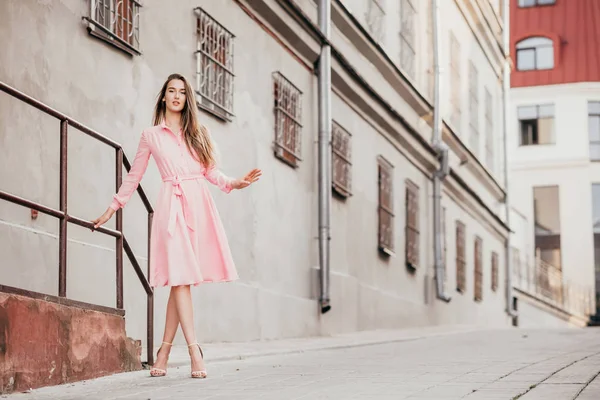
505	100
442	152
324	76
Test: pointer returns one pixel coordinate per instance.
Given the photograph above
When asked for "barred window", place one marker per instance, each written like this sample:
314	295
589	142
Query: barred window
489	129
412	224
444	244
214	66
407	37
341	161
117	22
461	275
386	206
375	19
456	114
474	109
478	269
288	110
494	271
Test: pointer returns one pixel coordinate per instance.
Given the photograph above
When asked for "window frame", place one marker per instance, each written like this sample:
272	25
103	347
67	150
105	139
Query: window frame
114	34
385	179
534	49
375	18
455	83
408	37
412	230
595	115
288	115
474	135
537	119
490	158
461	257
478	269
214	66
495	272
342	188
536	4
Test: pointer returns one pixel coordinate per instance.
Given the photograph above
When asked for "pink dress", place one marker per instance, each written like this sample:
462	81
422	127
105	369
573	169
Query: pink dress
188	244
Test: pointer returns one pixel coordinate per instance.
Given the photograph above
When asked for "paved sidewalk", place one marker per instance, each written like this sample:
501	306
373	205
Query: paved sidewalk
432	364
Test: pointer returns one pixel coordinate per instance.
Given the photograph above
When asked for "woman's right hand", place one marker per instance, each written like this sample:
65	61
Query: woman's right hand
101	220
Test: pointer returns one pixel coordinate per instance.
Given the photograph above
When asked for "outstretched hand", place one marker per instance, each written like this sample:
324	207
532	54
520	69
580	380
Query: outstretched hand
247	180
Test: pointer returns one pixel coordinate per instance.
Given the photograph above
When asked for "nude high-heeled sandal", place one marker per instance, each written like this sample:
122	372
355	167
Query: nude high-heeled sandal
201	374
156	372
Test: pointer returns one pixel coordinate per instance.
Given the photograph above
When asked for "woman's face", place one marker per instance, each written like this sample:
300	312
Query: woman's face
175	96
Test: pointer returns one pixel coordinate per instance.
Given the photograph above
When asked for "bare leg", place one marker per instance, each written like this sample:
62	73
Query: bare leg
171	325
183	301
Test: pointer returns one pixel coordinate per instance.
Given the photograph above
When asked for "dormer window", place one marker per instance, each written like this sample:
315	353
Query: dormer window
533	3
535	53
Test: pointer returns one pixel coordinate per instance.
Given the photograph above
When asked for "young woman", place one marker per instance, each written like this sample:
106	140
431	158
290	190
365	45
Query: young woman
188	245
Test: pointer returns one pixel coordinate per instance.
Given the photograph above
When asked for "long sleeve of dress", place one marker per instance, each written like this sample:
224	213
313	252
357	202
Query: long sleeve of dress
133	178
217	178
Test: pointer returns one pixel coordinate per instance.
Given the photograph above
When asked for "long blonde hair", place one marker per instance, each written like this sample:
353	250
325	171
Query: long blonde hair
197	137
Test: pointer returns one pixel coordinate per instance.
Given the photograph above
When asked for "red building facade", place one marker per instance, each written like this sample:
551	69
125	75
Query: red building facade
555	41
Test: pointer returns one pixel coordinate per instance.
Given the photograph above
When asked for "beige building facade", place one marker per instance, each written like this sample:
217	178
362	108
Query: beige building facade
254	66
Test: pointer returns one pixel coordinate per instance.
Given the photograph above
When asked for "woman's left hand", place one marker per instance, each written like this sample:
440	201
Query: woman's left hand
247	180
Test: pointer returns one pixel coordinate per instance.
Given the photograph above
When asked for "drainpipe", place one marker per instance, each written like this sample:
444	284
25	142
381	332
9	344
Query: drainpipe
324	76
505	92
442	154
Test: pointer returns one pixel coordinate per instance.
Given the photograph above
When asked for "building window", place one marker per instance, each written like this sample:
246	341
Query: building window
533	3
536	124
461	262
375	19
288	110
386	206
341	161
412	225
489	129
547	224
117	22
478	269
594	129
474	109
430	69
596	231
495	271
456	116
535	53
214	66
407	37
444	244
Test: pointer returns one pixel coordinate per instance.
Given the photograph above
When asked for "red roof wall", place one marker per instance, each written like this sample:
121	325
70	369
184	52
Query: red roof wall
573	26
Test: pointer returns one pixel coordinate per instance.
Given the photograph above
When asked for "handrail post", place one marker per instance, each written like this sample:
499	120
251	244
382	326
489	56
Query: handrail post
150	304
62	233
119	223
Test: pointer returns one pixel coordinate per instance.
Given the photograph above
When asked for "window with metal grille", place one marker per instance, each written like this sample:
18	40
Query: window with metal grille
386	206
375	17
341	161
461	273
478	269
456	115
288	110
495	271
444	244
536	124
489	130
407	37
214	66
474	109
594	129
412	224
117	22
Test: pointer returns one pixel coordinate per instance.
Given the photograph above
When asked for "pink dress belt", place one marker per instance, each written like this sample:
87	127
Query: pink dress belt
179	194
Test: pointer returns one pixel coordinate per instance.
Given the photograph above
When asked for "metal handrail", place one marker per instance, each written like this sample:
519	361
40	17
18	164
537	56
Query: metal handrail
121	243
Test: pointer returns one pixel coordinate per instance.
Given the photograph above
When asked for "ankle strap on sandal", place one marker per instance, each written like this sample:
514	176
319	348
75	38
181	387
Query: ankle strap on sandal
170	344
193	344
